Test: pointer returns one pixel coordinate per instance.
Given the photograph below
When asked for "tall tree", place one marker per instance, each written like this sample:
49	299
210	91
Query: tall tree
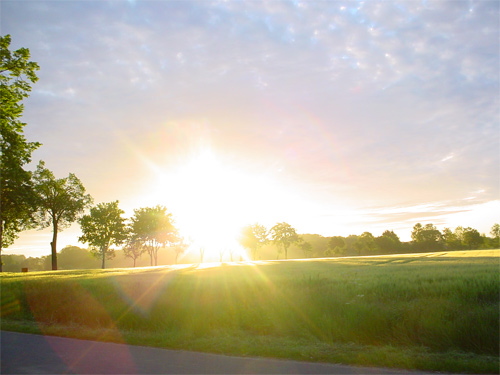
388	242
180	248
155	228
283	235
134	249
17	74
495	233
366	243
451	239
102	228
60	202
253	237
472	238
306	248
426	238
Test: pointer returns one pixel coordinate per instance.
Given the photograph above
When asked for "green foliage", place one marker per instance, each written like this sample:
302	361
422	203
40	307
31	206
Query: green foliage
472	238
102	228
16	193
426	238
336	241
74	257
495	232
59	201
306	248
154	227
432	306
253	237
283	235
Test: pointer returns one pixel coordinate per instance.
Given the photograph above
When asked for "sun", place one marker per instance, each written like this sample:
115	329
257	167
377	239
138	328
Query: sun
212	201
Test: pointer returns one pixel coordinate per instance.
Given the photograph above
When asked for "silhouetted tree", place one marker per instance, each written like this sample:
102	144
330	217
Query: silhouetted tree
253	237
472	238
426	237
102	228
388	242
59	201
179	249
283	235
154	227
451	240
495	233
367	243
16	193
134	249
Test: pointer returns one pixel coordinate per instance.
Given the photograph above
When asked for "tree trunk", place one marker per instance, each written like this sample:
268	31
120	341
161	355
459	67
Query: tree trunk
286	252
1	241
134	262
53	246
103	251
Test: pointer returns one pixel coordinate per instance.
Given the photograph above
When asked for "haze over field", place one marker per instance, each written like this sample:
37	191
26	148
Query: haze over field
336	117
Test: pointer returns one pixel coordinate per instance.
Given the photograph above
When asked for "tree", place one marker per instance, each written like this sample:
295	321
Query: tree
16	193
366	243
134	249
306	248
495	233
222	251
451	240
60	202
102	228
472	238
388	242
283	235
74	257
202	253
336	241
154	227
426	237
180	248
253	237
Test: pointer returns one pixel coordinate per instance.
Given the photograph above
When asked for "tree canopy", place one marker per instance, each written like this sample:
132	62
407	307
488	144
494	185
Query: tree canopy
102	228
17	73
154	227
283	235
59	202
253	237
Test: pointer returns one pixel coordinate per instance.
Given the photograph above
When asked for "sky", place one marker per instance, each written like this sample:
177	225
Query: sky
337	117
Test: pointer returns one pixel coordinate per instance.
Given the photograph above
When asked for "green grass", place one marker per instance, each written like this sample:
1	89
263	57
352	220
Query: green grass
434	312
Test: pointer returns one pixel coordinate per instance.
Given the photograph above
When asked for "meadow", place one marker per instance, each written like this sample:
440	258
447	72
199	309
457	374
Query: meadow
430	311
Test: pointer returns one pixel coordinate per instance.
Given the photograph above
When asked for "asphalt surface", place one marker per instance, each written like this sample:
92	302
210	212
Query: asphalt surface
23	353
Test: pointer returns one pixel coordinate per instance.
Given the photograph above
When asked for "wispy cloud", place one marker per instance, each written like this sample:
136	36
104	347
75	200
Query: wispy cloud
383	104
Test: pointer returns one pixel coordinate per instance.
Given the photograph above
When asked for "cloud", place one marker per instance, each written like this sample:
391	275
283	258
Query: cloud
378	103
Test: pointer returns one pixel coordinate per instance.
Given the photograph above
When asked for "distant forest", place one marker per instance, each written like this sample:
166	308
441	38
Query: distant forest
425	238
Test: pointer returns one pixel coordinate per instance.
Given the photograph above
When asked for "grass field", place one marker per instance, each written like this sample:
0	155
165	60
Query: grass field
433	311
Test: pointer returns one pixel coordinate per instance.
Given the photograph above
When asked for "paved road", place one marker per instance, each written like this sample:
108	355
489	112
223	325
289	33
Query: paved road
35	354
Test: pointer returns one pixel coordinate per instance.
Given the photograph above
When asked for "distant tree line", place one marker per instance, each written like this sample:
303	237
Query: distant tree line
262	243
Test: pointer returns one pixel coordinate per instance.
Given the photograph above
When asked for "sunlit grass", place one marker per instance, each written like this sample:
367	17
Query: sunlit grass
408	311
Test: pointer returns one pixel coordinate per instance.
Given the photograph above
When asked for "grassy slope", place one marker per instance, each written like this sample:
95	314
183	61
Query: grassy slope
435	311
